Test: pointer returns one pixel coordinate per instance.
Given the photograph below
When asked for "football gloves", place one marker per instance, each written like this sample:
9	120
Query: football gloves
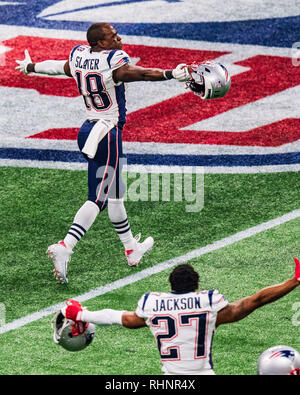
24	63
297	269
181	72
73	310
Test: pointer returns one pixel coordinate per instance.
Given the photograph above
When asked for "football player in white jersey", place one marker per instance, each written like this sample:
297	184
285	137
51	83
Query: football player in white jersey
183	321
100	70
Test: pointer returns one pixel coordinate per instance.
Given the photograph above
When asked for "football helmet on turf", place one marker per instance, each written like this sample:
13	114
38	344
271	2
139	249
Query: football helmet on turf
279	360
209	80
71	336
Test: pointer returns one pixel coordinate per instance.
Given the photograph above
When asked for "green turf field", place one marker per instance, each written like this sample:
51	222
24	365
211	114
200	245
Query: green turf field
37	208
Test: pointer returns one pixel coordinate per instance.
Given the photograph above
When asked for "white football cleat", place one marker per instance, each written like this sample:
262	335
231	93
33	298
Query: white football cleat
60	255
135	255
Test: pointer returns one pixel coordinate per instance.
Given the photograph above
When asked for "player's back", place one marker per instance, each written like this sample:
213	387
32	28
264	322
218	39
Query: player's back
183	326
93	73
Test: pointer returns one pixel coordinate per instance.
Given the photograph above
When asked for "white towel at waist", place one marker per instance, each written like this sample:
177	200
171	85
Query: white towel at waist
99	131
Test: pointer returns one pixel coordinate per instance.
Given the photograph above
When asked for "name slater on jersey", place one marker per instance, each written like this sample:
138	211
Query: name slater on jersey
87	64
177	304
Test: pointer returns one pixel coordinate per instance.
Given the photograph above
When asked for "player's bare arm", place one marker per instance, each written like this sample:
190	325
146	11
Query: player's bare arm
67	69
128	73
131	320
242	308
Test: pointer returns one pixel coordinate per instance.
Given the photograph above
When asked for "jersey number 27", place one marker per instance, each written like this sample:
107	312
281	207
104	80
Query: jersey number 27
172	330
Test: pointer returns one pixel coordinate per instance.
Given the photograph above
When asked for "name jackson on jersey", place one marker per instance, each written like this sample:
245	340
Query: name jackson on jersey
177	304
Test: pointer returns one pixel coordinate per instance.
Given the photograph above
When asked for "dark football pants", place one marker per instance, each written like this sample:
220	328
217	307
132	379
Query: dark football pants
104	170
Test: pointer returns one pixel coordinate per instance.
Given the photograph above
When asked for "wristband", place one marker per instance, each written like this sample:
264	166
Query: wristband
168	74
30	68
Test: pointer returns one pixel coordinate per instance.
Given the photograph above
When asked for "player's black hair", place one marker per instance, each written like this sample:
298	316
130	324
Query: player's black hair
184	279
95	33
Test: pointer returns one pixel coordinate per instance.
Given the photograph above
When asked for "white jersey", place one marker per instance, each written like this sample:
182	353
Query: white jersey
92	71
183	326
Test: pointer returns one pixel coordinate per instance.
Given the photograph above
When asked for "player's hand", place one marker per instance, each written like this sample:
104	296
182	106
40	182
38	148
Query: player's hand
73	310
297	269
24	63
181	72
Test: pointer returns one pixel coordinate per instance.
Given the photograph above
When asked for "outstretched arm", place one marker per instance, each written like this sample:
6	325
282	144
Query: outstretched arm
125	73
128	73
50	67
129	319
240	309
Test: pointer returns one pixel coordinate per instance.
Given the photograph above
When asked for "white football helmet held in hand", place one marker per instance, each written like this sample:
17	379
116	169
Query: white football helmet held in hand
278	361
209	80
70	336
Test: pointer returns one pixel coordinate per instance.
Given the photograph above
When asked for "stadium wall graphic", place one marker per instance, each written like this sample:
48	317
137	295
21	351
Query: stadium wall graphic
255	128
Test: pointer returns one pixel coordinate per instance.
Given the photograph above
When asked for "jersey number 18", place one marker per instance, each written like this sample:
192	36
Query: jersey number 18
92	89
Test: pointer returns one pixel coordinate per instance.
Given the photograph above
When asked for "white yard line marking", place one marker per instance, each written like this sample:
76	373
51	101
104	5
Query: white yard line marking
154	269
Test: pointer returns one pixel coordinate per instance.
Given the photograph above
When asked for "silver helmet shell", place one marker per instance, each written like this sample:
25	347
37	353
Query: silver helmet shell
279	360
210	80
63	334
